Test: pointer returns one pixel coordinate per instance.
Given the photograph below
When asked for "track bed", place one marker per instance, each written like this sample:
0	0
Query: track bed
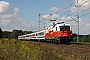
68	52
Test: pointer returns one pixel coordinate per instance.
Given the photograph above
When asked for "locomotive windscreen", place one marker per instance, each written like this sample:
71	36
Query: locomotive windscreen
64	28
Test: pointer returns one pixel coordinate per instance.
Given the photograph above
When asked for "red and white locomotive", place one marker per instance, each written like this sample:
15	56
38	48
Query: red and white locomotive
58	33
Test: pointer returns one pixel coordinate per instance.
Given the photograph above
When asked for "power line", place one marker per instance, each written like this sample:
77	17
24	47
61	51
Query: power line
79	16
65	3
65	8
81	11
84	2
74	8
85	14
85	10
62	9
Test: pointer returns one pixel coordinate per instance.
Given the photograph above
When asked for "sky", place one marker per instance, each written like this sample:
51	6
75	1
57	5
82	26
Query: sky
24	15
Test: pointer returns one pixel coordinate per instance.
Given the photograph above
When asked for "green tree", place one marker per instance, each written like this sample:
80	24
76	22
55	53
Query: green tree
6	34
16	33
0	33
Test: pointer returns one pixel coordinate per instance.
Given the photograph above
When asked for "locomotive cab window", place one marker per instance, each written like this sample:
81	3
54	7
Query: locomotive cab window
64	28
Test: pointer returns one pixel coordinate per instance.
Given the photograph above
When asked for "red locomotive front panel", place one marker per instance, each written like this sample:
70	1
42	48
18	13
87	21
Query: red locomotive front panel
65	31
62	34
59	31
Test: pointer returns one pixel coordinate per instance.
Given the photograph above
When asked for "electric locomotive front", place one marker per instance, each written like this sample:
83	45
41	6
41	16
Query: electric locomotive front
60	33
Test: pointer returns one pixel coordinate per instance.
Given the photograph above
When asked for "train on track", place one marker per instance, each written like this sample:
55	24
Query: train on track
57	33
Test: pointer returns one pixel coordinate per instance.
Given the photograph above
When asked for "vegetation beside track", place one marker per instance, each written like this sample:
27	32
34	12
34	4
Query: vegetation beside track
82	38
13	49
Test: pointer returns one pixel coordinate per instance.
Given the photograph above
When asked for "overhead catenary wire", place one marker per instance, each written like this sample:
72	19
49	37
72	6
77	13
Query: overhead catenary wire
61	9
84	2
73	9
65	8
84	14
81	11
80	16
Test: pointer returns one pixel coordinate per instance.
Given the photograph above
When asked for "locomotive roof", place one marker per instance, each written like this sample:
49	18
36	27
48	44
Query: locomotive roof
58	24
63	24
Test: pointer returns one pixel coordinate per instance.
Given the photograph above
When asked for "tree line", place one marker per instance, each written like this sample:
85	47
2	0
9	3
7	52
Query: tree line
82	38
14	34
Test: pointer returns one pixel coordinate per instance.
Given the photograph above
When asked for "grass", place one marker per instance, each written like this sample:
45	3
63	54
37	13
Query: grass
13	49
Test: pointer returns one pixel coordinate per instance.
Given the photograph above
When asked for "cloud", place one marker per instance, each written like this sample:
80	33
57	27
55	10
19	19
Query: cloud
5	22
88	25
10	19
16	10
17	23
85	27
50	17
6	11
54	9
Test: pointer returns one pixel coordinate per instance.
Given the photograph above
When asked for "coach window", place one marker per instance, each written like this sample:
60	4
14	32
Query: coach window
56	28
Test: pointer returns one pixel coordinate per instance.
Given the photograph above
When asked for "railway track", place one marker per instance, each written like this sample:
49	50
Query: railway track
72	45
79	46
74	50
